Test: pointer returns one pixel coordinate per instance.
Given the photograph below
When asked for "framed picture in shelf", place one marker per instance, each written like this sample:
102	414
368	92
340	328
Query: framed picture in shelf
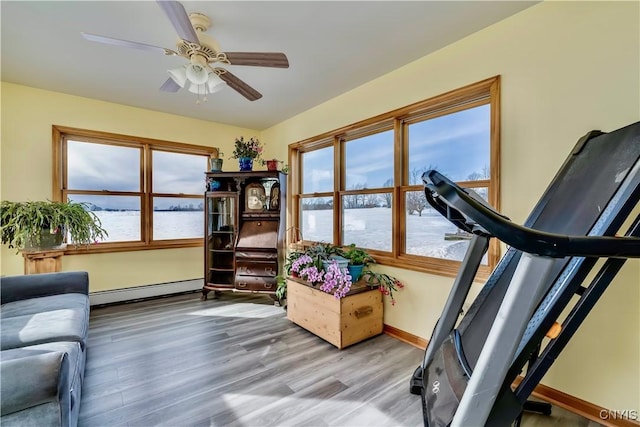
274	197
254	197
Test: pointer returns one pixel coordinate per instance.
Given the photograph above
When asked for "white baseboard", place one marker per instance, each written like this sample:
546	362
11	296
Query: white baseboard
146	291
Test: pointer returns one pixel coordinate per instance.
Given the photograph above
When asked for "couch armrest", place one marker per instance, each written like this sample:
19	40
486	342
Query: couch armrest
35	380
16	288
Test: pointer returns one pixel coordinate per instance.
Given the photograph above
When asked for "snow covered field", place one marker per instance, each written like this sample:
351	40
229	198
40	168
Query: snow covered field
371	228
367	228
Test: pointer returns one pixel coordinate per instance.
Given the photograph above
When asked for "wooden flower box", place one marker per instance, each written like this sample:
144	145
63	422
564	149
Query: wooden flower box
341	322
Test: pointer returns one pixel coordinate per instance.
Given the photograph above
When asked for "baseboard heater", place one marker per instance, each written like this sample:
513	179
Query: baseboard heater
144	291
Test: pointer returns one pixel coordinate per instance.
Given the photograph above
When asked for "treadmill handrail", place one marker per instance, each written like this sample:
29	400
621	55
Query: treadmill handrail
523	238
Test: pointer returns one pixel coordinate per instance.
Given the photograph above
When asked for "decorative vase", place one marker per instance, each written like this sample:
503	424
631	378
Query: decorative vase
215	165
214	185
355	271
246	163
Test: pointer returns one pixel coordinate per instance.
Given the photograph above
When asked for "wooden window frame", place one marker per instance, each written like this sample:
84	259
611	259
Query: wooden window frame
485	92
60	192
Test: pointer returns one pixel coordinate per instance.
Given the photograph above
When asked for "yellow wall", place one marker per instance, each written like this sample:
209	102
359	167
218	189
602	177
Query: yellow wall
27	116
567	68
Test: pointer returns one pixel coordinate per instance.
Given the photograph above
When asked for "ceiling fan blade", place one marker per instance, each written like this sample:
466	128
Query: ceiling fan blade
127	43
258	59
179	18
239	86
170	86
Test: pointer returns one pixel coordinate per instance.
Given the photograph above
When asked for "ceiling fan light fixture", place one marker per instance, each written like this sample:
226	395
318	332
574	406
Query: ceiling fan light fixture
215	83
197	74
197	71
178	75
197	89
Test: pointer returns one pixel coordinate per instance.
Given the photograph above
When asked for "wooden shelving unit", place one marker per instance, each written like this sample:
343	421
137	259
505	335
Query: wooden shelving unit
244	229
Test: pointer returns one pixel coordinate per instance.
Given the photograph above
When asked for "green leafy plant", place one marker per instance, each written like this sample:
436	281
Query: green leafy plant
357	256
22	223
323	252
252	148
281	289
387	284
308	265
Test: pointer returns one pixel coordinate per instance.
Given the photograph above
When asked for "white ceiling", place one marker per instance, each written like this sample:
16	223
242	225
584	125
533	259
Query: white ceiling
332	46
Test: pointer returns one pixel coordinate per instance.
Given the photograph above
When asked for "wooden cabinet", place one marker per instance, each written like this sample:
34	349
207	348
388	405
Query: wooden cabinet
244	231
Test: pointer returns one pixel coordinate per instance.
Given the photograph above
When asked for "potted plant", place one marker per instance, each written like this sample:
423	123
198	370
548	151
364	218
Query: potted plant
215	161
325	253
44	224
246	152
358	259
272	165
318	265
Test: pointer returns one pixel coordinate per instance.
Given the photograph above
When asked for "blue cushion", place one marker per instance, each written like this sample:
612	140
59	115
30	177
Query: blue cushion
48	303
75	358
49	325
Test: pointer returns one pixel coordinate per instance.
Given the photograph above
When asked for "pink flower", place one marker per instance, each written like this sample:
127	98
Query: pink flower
336	281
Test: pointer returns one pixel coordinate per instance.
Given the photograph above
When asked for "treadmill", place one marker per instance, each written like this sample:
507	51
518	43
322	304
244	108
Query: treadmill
470	364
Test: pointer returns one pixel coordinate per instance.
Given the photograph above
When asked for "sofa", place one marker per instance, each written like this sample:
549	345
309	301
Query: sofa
44	323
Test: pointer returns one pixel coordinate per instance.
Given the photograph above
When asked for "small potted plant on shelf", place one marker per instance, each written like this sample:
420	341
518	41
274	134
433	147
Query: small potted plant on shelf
358	260
215	161
246	152
44	224
272	165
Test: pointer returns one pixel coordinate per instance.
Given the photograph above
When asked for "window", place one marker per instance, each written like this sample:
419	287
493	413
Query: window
148	194
362	183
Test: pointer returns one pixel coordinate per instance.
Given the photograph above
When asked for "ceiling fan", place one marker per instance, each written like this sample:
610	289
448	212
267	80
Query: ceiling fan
201	75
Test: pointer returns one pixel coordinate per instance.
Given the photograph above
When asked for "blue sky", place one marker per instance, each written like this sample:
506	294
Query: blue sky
456	144
108	167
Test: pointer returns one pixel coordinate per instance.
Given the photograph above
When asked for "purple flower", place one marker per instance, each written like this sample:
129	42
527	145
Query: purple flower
336	281
301	263
311	274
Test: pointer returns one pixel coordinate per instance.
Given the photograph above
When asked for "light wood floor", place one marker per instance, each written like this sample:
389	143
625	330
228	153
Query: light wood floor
237	361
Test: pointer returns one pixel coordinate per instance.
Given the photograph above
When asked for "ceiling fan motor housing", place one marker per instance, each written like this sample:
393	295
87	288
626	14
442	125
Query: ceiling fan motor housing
208	47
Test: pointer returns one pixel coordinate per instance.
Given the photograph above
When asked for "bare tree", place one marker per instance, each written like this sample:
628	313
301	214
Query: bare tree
477	176
415	176
388	196
416	200
371	200
352	201
474	176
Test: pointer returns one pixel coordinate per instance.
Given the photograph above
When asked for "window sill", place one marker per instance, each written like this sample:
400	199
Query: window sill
130	247
438	267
